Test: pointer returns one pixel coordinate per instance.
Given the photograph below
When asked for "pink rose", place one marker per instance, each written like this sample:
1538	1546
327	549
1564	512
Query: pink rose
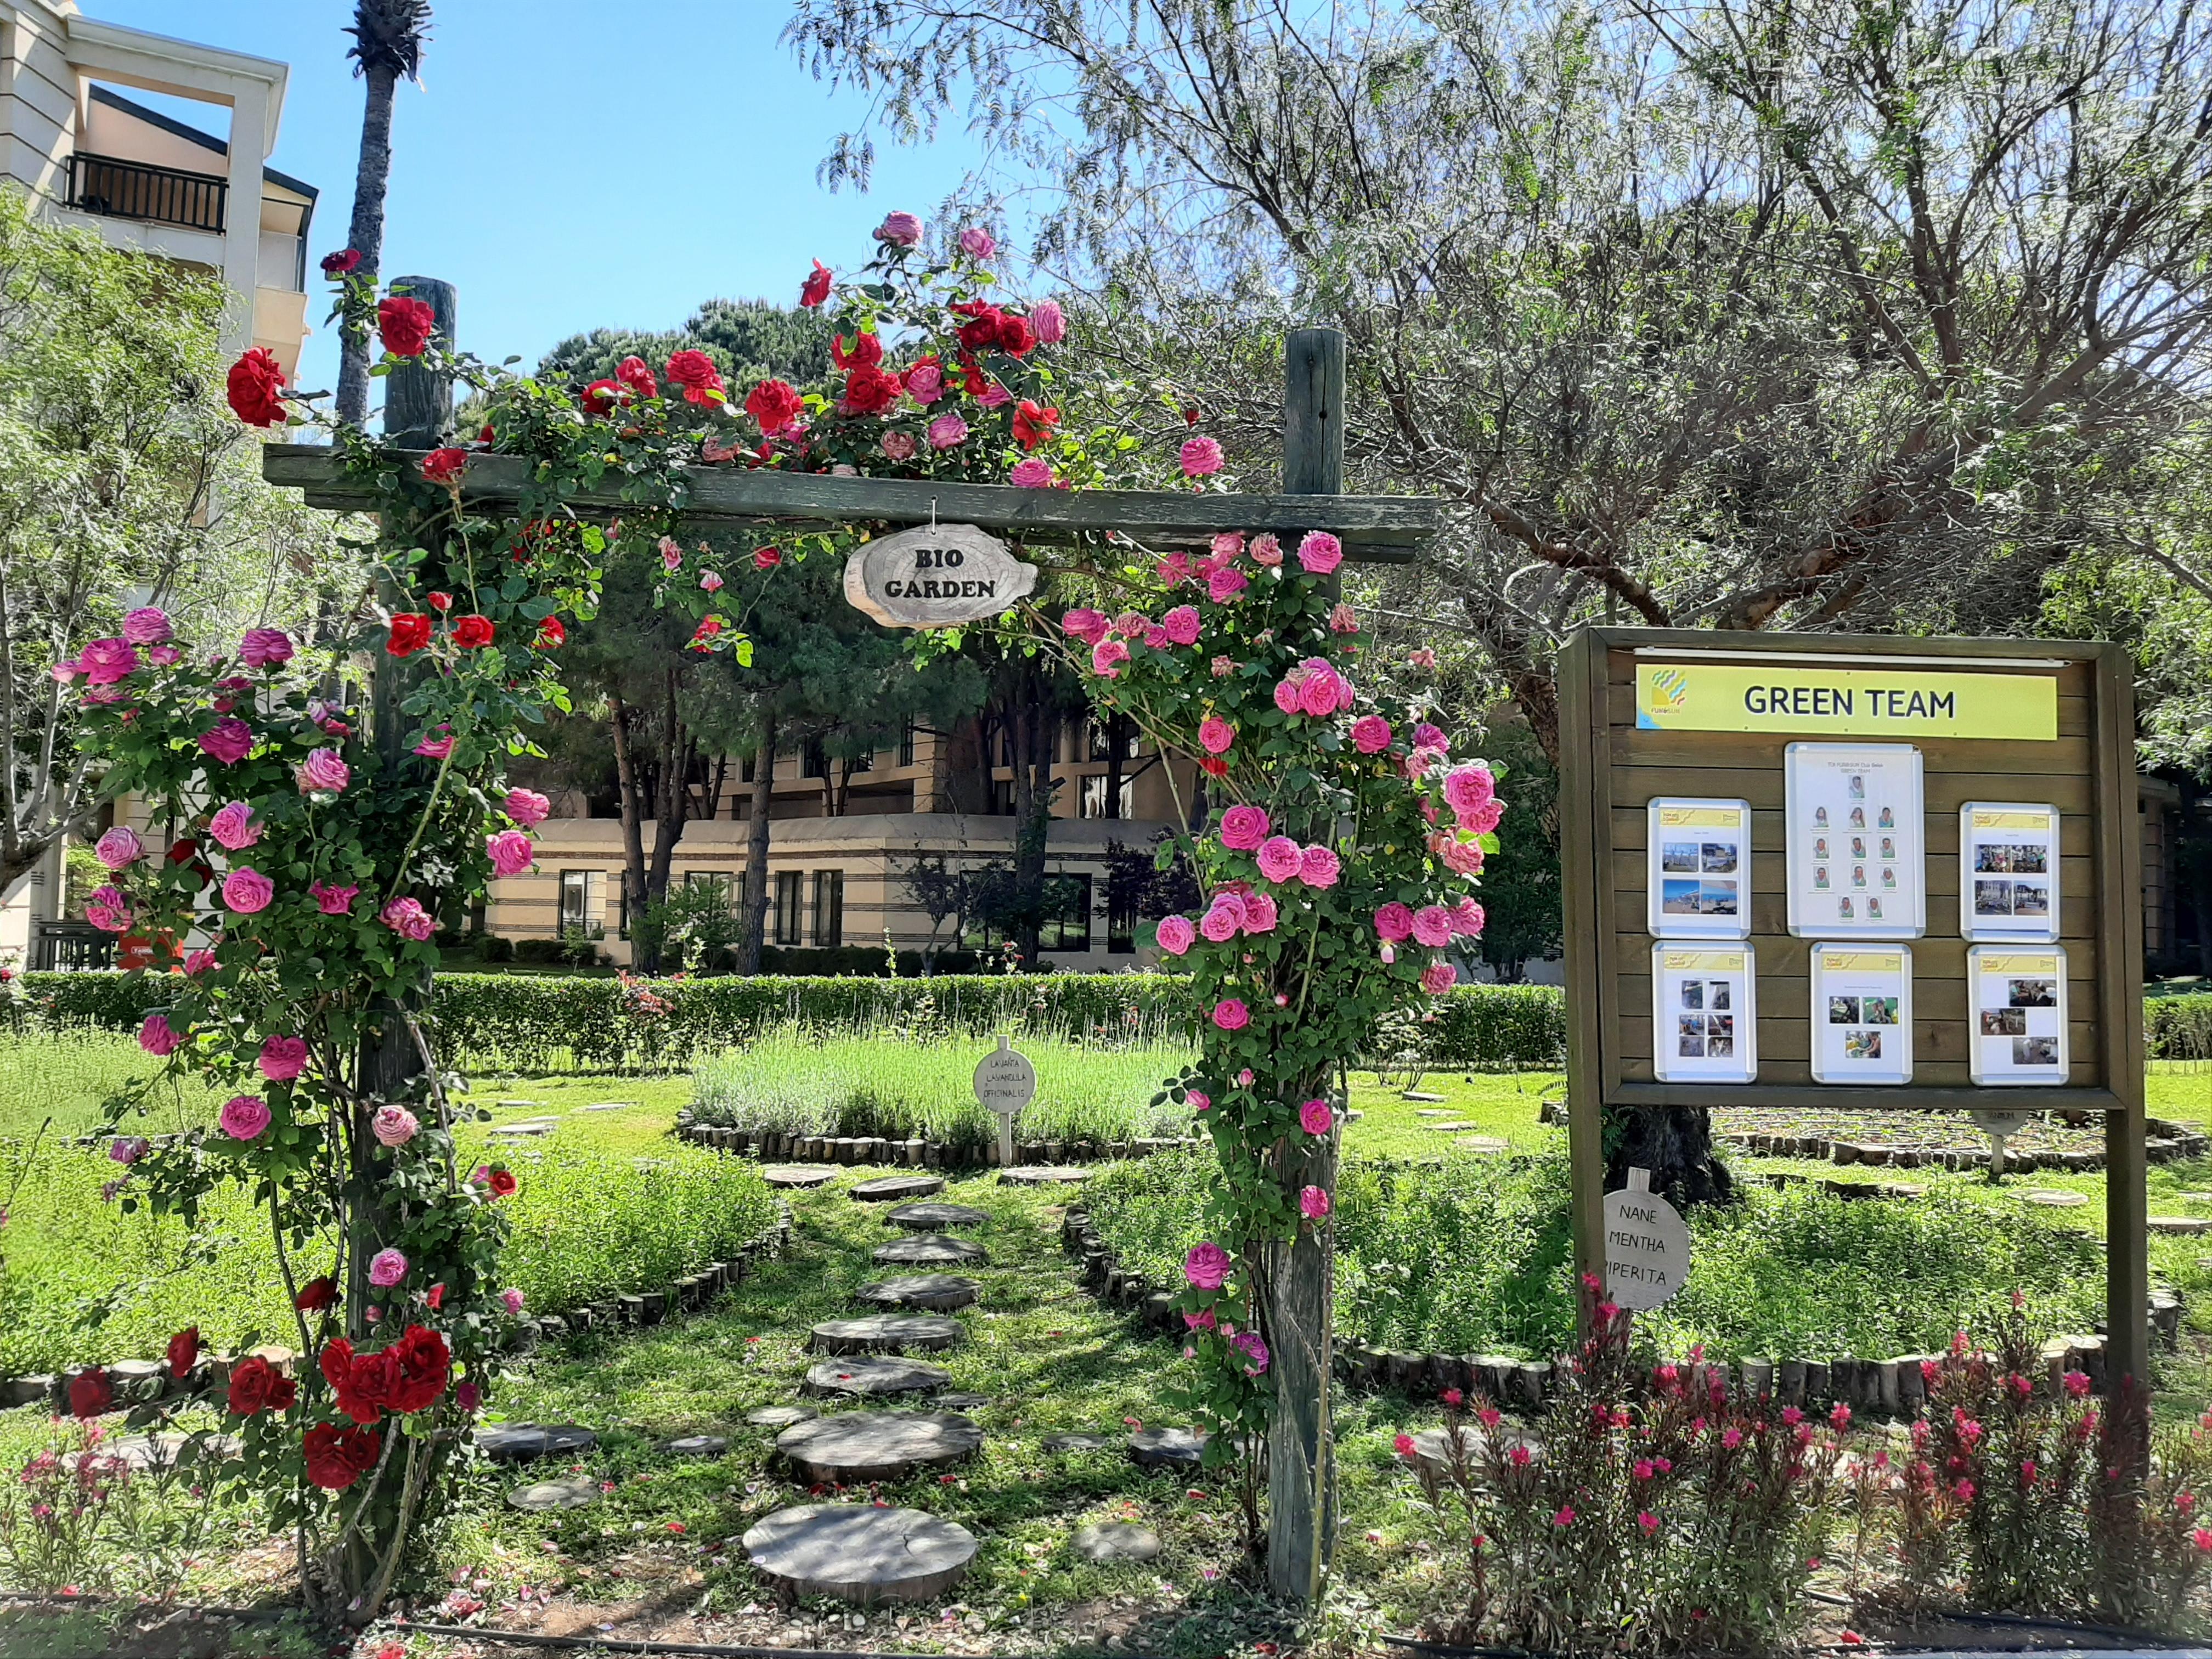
1279	859
1394	922
229	740
1312	1203
1484	818
435	748
1201	456
147	625
1131	624
1216	734
947	431
925	384
899	230
1222	668
1231	1015
1427	736
991	396
1182	624
1342	619
265	647
1316	1117
1177	934
234	826
244	1117
1253	1347
1225	919
1462	858
1323	691
1260	916
248	892
387	1268
1226	546
1089	626
1424	657
1267	550
164	656
512	1300
334	900
511	852
1105	656
1175	570
119	847
977	243
1243	827
1466	787
526	807
127	1150
157	1036
108	908
671	552
103	662
1319	867
901	445
393	1126
1290	692
710	582
1048	321
1320	552
1467	918
1199	1100
1432	926
198	963
325	772
1205	1266
1223	586
283	1058
1438	977
1370	734
407	918
1418	762
1157	636
1031	472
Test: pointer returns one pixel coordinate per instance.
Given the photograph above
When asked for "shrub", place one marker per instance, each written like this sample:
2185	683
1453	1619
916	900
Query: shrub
536	952
492	947
2178	1027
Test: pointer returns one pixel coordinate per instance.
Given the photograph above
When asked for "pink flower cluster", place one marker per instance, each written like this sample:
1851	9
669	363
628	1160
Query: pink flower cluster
1314	688
1282	860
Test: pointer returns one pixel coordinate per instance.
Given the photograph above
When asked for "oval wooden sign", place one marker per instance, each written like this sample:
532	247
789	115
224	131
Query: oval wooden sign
936	576
1647	1246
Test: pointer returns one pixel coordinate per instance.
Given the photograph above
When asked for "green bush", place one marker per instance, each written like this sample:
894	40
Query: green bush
1474	1257
491	947
541	952
2178	1027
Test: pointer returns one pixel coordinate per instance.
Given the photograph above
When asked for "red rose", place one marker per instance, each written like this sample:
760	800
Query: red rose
363	1383
1016	337
815	288
484	434
973	378
696	372
404	325
472	633
601	396
257	1386
869	390
1213	766
90	1393
410	634
337	1457
318	1294
184	1352
442	603
981	331
551	634
420	1365
1033	425
502	1184
868	351
776	405
256	379
767	558
633	374
342	264
443	466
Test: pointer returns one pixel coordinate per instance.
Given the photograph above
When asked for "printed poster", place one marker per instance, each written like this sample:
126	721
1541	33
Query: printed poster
1861	1014
2007	871
2019	1015
1704	1016
1698	881
1856	868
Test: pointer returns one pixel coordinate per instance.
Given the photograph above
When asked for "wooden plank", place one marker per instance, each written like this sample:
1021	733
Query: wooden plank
1939	831
1786	960
1585	814
1624	646
2077	884
1638	752
1941	792
1936	1042
1376	529
2127	1174
1820	1097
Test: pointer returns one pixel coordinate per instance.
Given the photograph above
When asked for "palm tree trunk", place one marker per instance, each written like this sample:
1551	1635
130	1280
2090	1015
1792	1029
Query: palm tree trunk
366	235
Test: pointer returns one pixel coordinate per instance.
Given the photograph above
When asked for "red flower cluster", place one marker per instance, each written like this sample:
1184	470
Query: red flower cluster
405	1377
551	633
410	634
318	1294
342	264
633	374
184	1352
601	397
815	288
257	1386
256	385
696	372
90	1393
472	633
776	405
501	1182
868	351
870	391
1034	424
338	1456
404	325
444	466
989	329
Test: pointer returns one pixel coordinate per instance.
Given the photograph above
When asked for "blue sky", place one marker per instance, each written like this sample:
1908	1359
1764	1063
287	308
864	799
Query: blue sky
570	165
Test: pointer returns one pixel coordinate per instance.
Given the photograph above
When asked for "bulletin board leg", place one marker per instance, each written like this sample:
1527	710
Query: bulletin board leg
2127	1260
1586	1162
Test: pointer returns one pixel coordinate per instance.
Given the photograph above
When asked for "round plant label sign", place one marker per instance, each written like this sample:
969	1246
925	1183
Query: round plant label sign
1647	1245
936	576
1006	1081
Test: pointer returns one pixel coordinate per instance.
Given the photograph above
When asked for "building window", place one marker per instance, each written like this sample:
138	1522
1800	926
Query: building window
1121	921
906	747
829	907
815	761
580	902
1093	801
863	762
1002	798
1066	921
786	917
716	881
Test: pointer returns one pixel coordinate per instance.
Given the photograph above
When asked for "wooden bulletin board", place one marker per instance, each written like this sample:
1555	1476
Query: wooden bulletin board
1663	713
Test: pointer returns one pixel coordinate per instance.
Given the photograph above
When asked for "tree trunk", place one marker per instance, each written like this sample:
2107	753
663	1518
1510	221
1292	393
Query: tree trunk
1026	741
1117	740
756	836
633	827
1676	1146
366	235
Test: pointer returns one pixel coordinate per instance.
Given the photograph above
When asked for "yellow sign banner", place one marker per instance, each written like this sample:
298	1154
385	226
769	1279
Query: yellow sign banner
1863	702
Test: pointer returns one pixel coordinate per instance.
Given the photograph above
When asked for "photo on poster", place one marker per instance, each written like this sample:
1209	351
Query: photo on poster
2008	856
1702	1008
1854	838
1698	861
2018	995
1862	1013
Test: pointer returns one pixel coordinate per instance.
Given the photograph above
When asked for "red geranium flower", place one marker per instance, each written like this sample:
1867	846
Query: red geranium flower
815	288
869	390
633	374
184	1352
342	264
601	396
776	405
1033	425
503	1183
696	372
337	1457
257	1386
404	325
90	1393
318	1294
551	633
443	466
255	382
472	633
867	350
410	634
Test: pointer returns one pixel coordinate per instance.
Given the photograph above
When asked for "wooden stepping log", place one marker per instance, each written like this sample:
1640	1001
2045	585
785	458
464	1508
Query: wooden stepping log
517	1105
568	1491
149	1451
606	1106
963	1402
849	1447
516	1443
2054	1198
797	1175
875	1377
778	1417
697	1445
1082	1442
860	1553
1166	1448
518	1131
2186	1226
1432	1112
1421	1093
1485	1146
887	1333
935	1218
939	1293
1115	1540
884	1188
1453	1127
1044	1175
930	1250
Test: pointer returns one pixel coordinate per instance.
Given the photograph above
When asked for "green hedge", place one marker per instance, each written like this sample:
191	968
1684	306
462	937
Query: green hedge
2179	1028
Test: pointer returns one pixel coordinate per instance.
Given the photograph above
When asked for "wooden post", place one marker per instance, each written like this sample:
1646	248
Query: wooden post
1300	1476
1582	720
418	405
2119	986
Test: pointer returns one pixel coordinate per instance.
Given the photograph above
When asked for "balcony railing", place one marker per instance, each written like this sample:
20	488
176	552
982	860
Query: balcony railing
131	189
68	947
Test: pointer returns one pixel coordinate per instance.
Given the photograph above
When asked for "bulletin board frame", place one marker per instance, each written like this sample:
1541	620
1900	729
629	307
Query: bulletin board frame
1647	712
